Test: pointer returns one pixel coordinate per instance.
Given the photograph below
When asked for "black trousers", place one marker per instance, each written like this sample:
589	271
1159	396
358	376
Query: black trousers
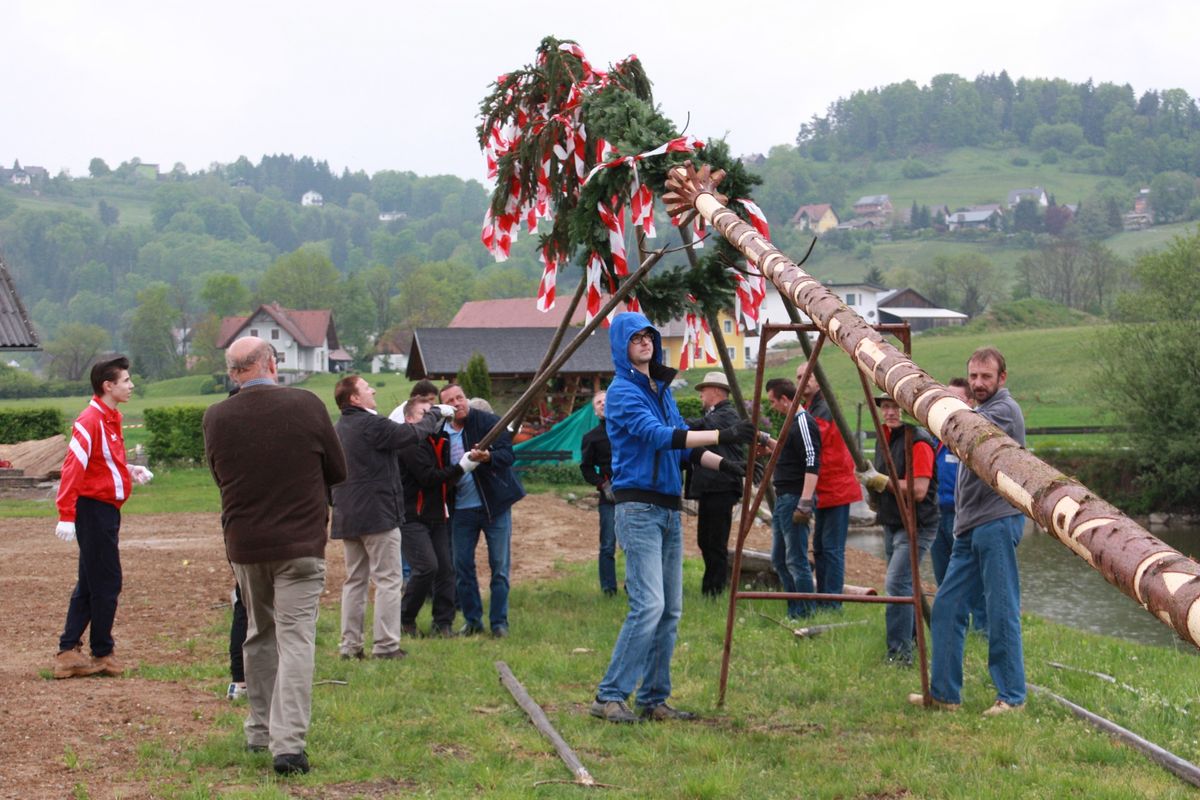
237	637
426	548
94	600
712	534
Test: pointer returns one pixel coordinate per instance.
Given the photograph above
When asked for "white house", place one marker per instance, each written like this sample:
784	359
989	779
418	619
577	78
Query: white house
304	341
312	198
1037	194
391	352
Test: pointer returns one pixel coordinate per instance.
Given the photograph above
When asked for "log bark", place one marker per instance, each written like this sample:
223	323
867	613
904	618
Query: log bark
1161	579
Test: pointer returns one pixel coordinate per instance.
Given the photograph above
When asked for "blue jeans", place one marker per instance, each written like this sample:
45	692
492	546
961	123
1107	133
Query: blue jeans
465	525
652	538
984	558
608	548
829	550
789	554
939	554
899	583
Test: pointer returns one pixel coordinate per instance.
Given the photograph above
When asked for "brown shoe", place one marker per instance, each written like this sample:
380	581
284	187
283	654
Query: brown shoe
1001	707
918	699
73	664
108	665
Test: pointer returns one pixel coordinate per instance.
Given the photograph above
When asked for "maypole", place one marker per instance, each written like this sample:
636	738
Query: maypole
1164	581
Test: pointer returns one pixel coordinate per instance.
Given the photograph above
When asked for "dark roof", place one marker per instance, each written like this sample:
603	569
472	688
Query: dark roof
16	331
442	352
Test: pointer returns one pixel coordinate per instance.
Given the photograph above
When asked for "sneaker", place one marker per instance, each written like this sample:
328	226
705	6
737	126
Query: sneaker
108	666
357	655
899	659
73	664
500	632
1001	707
470	630
291	764
663	712
236	691
918	699
442	632
612	711
394	655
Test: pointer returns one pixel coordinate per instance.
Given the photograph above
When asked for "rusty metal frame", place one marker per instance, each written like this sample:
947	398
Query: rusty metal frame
750	505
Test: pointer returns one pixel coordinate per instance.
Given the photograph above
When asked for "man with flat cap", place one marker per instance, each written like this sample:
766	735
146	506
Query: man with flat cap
715	492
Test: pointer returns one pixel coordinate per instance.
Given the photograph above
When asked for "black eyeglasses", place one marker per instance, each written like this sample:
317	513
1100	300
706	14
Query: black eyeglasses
642	336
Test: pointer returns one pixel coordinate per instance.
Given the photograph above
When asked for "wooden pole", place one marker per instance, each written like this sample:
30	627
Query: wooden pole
1158	577
542	723
518	408
1164	758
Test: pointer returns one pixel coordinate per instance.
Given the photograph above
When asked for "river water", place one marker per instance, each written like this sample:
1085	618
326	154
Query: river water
1058	585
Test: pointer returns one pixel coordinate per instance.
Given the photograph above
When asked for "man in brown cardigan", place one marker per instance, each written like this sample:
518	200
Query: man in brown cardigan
274	455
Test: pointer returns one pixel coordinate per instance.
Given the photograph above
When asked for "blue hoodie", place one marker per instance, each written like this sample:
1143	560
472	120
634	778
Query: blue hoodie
644	424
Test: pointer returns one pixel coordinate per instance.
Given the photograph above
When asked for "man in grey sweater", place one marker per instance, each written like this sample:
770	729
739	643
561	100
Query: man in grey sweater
987	530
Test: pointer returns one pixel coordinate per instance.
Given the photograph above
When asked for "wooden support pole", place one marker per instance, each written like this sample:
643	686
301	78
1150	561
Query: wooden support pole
542	723
1185	770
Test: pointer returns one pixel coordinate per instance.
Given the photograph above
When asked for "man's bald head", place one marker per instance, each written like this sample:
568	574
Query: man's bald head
249	358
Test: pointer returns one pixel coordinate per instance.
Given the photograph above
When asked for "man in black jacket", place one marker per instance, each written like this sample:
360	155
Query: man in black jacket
596	465
429	476
367	511
715	492
482	502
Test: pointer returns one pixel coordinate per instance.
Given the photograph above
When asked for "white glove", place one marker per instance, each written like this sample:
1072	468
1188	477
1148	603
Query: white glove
446	411
141	475
466	463
872	479
65	531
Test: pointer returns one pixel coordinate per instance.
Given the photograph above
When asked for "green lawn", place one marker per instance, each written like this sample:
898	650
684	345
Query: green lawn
816	718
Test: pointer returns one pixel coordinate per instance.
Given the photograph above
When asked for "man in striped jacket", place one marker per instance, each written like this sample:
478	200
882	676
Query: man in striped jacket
95	483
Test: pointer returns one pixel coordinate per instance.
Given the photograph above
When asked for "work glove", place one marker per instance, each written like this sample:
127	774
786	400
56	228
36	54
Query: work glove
606	493
466	463
872	479
445	411
65	531
803	513
741	433
759	470
141	475
734	468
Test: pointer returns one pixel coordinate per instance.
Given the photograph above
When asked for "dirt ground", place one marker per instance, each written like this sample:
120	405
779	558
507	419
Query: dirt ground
55	734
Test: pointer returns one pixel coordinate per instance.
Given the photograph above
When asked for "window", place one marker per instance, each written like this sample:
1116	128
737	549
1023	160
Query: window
274	333
254	331
849	298
731	352
729	326
747	355
280	357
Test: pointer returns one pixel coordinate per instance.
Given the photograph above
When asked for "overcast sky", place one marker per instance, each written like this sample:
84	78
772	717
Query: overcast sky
396	85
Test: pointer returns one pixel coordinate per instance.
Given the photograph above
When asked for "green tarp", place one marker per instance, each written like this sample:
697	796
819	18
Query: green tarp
566	435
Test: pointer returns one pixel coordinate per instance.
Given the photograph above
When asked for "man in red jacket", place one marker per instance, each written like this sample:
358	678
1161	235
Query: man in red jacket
95	483
837	488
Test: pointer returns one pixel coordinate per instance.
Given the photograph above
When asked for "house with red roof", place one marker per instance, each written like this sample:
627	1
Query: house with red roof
305	341
818	218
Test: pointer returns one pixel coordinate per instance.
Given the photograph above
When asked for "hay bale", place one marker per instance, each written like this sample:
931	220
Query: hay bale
38	458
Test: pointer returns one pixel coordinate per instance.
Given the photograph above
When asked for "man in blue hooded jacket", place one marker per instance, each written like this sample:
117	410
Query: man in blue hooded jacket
649	443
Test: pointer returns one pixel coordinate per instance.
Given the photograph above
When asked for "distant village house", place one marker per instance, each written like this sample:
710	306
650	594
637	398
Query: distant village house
305	340
312	198
817	218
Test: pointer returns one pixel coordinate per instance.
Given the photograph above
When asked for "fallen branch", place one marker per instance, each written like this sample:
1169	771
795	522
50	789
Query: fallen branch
812	630
542	723
1185	770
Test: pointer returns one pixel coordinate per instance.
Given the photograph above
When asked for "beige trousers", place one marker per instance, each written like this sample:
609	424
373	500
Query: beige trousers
282	598
375	557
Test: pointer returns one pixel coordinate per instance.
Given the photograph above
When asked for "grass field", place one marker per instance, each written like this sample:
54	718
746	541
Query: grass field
819	718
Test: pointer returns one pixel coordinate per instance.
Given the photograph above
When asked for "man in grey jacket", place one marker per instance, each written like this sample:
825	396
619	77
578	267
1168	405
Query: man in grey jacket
987	530
367	511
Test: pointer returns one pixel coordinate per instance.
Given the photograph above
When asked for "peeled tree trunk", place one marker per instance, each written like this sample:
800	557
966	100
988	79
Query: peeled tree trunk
1161	579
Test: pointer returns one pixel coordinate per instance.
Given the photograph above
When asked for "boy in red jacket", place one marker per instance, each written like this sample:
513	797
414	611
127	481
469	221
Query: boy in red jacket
95	483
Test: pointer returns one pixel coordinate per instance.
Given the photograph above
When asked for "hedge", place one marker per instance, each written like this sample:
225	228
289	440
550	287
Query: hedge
24	424
175	433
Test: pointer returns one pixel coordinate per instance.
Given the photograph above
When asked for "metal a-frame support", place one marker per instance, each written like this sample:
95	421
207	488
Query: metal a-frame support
750	504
